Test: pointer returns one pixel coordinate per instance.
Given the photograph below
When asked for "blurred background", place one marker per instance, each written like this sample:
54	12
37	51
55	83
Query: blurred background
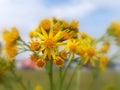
94	17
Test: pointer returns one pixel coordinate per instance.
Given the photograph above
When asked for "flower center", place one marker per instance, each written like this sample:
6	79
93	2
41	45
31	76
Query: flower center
50	43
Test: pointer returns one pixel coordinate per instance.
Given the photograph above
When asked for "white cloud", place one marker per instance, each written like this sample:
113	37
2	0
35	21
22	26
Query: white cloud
103	3
108	3
78	10
26	14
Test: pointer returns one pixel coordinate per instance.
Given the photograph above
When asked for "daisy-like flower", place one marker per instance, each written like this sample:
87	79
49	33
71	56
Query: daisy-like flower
34	57
63	54
72	45
49	43
58	61
45	24
34	45
40	63
90	55
87	51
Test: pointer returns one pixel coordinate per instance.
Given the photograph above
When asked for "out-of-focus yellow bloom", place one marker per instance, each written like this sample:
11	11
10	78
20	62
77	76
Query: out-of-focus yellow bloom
84	35
63	54
72	45
35	45
40	63
73	34
31	34
65	35
105	47
114	30
14	33
90	54
81	51
38	87
45	24
34	57
103	62
65	24
54	20
58	61
11	51
57	27
10	38
74	24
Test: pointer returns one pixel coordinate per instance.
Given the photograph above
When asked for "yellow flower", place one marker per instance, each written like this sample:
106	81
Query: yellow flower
6	35
38	87
74	24
45	24
105	47
63	54
14	33
11	50
65	35
56	27
31	34
11	36
73	34
103	62
58	61
114	30
10	46
72	45
84	35
34	45
49	43
34	57
90	51
81	51
40	63
65	24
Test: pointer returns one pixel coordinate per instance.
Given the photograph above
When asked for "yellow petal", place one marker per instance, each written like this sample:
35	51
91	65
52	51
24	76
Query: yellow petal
45	53
57	36
92	62
53	53
40	35
86	60
44	32
51	33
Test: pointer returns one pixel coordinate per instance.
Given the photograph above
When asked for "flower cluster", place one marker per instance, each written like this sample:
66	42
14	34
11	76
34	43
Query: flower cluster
47	39
10	38
57	39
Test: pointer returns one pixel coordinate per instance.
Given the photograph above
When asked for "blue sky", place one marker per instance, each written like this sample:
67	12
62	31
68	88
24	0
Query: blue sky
94	16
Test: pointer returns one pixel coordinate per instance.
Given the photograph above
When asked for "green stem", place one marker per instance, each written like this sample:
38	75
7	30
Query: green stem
73	74
51	75
60	78
19	80
66	69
